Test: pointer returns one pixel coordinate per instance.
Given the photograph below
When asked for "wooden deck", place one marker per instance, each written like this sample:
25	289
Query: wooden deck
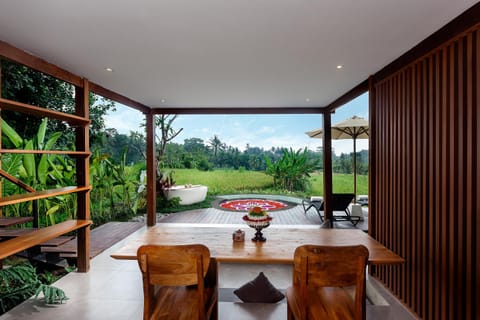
101	238
294	216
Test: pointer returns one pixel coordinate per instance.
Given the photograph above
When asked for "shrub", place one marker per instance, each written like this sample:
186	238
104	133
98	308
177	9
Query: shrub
20	282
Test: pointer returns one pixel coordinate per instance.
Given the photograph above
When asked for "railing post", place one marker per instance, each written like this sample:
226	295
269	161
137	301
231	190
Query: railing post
83	177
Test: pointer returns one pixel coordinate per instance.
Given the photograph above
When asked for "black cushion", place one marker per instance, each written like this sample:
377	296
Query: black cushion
259	290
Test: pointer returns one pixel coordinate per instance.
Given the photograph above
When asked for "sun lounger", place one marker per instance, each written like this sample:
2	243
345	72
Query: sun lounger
340	203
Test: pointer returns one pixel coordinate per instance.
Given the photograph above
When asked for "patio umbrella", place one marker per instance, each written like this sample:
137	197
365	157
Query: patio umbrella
351	128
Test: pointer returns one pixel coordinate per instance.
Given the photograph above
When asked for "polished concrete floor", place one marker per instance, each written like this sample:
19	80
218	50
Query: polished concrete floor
113	290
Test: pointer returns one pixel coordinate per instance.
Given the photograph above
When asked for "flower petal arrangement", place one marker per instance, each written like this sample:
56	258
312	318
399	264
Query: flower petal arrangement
257	217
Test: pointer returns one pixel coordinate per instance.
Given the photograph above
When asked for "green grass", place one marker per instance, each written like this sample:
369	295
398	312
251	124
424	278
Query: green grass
234	181
225	181
342	183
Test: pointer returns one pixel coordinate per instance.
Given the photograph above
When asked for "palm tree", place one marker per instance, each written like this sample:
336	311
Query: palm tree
216	144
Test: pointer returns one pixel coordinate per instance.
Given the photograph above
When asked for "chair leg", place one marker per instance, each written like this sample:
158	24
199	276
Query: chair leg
320	215
306	206
289	313
214	314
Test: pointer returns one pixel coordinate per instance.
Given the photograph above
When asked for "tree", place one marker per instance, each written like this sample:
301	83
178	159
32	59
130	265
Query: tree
118	145
216	144
194	145
22	84
164	122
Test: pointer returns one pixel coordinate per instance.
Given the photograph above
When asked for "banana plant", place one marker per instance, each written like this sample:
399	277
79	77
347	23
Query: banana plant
39	171
292	171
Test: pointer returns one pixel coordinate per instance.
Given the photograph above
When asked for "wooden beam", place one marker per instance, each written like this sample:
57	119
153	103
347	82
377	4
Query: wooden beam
41	112
249	110
327	167
349	96
109	94
151	171
27	59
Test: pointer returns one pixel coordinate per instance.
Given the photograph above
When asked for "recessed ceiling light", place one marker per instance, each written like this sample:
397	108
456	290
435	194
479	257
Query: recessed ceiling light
109	69
163	100
307	99
339	66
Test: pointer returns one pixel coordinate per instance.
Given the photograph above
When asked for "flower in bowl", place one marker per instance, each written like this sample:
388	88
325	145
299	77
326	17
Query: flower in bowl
257	212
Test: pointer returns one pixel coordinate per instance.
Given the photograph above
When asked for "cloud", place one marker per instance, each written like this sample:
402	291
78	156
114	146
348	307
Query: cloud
263	131
125	120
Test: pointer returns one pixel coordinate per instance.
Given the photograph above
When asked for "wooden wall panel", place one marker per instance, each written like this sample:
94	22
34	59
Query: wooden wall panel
426	178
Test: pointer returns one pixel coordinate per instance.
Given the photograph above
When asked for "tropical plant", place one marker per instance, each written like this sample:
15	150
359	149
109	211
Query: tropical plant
39	171
20	282
292	171
114	194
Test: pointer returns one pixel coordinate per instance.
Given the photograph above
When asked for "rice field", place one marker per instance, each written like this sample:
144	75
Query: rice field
242	181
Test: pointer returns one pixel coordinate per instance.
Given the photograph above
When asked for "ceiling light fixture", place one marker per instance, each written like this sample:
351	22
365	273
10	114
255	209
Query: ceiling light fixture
109	69
307	99
163	100
339	66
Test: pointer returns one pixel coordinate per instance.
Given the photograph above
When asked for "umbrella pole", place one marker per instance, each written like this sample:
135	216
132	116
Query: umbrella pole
354	170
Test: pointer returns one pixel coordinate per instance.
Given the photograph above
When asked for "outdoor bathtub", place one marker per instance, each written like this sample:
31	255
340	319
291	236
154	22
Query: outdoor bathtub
188	194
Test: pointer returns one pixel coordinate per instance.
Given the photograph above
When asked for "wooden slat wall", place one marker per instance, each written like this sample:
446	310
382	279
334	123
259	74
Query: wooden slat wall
427	176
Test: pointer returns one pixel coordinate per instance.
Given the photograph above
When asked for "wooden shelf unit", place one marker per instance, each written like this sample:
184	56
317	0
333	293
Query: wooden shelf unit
80	120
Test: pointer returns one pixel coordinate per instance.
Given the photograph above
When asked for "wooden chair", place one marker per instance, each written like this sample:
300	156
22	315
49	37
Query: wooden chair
321	275
179	282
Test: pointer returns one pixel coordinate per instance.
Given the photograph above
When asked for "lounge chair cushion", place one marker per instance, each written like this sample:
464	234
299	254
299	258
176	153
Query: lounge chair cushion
259	290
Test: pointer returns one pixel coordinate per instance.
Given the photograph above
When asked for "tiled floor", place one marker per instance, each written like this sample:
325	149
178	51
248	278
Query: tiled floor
112	290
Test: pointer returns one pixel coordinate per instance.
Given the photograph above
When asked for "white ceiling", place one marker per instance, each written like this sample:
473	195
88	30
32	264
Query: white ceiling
224	53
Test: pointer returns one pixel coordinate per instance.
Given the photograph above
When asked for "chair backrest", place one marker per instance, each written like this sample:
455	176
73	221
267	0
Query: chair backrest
332	266
340	201
170	266
174	265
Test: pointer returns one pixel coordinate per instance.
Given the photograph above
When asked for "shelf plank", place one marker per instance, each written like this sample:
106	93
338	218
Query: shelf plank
30	239
42	112
11	221
18	198
60	152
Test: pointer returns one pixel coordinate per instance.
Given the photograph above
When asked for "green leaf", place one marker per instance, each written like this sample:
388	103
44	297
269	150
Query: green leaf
42	169
53	139
50	214
29	160
41	133
11	134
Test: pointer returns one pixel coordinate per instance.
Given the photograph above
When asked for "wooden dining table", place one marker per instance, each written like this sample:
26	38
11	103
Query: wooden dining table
279	247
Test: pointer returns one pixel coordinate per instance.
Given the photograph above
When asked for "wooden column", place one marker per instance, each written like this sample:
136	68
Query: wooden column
371	157
327	166
1	209
151	171
83	177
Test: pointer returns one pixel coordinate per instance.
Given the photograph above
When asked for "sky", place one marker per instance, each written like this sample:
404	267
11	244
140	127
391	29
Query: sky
264	131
